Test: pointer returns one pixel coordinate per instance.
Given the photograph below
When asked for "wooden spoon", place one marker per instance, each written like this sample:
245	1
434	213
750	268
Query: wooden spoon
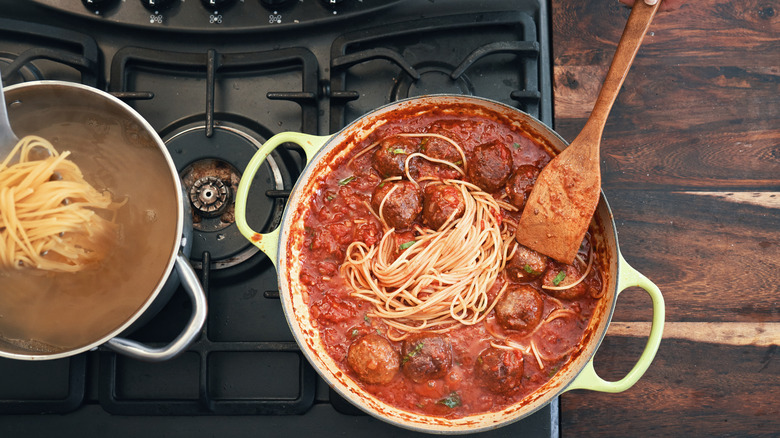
567	190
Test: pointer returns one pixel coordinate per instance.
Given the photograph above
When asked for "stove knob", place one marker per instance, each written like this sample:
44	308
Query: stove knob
217	5
98	5
157	5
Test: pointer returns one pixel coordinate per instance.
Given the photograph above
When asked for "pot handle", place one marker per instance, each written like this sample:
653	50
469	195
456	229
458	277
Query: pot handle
588	379
194	289
269	242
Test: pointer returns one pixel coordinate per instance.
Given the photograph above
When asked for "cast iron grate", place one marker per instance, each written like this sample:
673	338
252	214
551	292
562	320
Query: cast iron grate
507	71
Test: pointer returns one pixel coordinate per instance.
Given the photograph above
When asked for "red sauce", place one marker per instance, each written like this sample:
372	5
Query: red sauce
339	214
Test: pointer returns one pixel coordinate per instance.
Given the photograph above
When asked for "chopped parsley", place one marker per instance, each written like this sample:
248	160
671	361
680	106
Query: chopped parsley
366	318
528	269
458	163
559	278
398	151
516	145
330	197
347	180
451	401
355	332
407	244
417	348
552	371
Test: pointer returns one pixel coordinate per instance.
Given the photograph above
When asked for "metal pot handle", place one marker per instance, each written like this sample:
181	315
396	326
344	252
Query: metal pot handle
269	242
588	379
194	289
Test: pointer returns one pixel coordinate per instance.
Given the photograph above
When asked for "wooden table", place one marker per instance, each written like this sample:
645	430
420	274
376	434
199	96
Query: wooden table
691	169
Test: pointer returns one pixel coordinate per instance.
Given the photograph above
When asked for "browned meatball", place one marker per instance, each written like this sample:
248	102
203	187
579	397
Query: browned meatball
500	370
402	206
520	308
391	154
564	275
426	356
490	166
520	184
373	359
441	149
439	203
526	264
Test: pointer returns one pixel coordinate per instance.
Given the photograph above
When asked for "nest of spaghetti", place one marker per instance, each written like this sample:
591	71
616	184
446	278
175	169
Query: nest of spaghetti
51	218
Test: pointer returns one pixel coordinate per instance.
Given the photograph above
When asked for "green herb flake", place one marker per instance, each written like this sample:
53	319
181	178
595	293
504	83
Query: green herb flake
347	180
451	401
398	151
331	197
406	245
458	163
355	332
528	269
516	145
559	278
417	348
552	371
366	319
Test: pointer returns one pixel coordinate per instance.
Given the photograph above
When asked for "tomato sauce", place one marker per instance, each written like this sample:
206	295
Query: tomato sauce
340	214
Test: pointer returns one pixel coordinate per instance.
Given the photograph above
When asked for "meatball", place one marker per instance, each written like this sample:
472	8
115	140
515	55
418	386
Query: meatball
520	184
426	356
373	359
500	370
439	149
439	203
490	166
391	154
564	275
520	308
402	206
526	264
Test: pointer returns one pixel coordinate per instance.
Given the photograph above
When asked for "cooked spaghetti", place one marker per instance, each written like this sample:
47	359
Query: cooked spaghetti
51	218
442	278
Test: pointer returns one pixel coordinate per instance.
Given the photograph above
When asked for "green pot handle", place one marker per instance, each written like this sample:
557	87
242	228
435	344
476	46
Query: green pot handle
269	242
588	379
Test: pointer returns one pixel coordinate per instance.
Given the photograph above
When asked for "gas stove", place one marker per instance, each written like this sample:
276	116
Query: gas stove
216	79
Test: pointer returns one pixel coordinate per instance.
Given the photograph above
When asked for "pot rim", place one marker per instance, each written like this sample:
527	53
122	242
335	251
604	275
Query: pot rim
396	416
179	213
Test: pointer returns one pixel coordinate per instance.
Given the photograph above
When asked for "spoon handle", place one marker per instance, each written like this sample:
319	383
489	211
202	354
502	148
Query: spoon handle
633	34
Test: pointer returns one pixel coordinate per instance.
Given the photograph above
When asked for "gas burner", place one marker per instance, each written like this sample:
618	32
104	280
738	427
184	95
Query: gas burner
210	170
434	78
211	184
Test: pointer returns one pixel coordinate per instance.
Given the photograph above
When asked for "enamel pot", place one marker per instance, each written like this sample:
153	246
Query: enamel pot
119	151
283	247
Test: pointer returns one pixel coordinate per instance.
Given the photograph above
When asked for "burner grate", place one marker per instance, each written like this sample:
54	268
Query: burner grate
35	52
211	378
400	57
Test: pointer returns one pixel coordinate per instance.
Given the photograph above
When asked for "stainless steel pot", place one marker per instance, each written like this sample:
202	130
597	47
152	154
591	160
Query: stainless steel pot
118	151
283	247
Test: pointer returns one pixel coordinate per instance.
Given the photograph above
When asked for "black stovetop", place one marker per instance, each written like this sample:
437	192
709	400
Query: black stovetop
215	85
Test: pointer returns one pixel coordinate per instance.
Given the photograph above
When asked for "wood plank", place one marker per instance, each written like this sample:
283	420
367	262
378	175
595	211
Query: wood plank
714	259
718	32
691	389
728	333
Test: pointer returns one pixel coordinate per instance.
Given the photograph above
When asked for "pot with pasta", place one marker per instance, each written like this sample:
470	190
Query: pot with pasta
92	226
402	282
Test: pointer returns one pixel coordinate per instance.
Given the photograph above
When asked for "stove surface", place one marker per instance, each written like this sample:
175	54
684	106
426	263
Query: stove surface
216	84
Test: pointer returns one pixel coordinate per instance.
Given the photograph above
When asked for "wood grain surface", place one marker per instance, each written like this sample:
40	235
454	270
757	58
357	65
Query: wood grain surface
691	169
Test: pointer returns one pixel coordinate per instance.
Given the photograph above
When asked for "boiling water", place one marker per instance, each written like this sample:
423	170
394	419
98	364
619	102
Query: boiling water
47	312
